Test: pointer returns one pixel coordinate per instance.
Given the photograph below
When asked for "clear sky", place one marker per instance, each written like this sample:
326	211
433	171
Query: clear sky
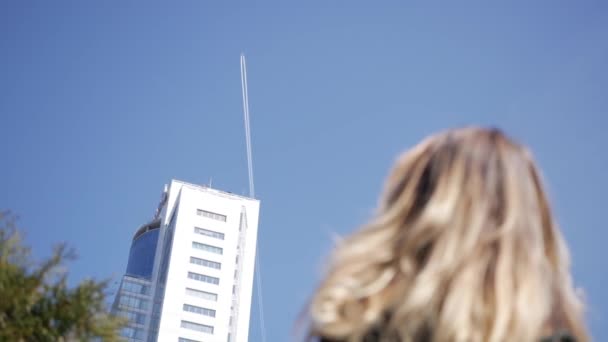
103	102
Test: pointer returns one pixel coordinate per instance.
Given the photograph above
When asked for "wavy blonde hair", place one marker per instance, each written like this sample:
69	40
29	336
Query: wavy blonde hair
463	248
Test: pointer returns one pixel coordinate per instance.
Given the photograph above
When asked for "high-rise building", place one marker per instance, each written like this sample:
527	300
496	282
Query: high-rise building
190	272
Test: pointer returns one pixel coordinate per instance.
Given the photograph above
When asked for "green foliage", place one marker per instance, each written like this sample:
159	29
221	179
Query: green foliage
36	303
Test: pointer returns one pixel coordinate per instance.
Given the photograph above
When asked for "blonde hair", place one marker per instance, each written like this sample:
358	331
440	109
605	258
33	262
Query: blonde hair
463	248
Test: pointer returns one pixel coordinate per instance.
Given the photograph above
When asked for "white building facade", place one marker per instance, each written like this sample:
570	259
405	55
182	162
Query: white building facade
190	271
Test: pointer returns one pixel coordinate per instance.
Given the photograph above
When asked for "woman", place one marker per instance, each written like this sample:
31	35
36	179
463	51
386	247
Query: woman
463	248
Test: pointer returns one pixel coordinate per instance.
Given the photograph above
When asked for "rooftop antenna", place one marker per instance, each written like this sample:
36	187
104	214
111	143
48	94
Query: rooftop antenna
258	272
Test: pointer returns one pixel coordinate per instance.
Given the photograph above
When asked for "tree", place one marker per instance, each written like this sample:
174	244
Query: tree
36	303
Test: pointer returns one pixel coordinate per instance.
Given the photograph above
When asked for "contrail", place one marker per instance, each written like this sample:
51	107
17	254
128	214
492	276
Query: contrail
247	125
258	272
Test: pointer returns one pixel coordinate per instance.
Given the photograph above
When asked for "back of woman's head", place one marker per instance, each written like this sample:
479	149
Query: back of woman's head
463	248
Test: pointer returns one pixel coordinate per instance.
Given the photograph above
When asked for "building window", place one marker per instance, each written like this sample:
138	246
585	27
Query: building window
206	263
208	248
128	286
133	302
209	233
154	321
201	294
133	317
199	310
181	339
204	278
197	327
211	215
132	333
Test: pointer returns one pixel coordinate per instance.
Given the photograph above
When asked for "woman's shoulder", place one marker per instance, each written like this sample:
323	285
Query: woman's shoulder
558	337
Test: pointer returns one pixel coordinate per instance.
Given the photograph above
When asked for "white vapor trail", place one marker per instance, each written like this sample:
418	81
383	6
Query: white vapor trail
258	272
247	124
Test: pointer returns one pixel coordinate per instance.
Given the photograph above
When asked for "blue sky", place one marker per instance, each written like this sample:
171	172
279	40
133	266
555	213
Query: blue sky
101	103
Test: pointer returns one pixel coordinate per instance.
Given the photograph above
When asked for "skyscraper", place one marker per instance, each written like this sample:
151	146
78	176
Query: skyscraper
190	272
